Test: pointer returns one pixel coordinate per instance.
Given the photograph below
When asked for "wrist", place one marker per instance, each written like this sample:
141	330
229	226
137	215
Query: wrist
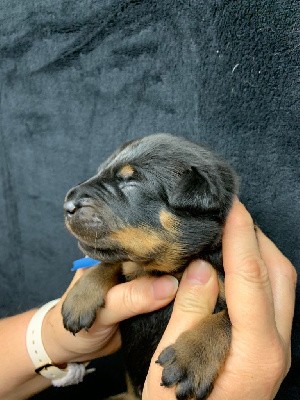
57	341
64	347
60	374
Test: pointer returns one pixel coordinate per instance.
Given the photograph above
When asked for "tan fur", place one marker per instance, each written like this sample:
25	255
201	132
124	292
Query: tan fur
169	261
141	242
221	289
126	171
201	350
168	221
96	283
133	270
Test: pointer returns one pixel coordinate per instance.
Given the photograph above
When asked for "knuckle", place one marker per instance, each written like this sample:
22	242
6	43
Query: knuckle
281	370
287	365
192	302
242	218
252	269
291	272
281	364
274	366
288	270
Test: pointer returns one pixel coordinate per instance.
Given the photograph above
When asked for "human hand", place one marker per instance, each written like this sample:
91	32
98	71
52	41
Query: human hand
260	293
123	301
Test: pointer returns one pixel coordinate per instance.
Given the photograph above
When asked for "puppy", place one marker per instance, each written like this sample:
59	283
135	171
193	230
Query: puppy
155	204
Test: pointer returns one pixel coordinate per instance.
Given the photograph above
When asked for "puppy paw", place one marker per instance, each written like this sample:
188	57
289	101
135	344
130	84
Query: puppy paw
193	362
192	378
78	312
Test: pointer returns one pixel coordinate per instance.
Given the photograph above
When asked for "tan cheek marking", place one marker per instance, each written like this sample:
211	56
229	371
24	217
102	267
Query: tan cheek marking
168	221
139	241
126	171
168	261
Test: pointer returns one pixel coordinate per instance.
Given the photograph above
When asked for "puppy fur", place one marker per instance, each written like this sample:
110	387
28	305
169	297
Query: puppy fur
153	206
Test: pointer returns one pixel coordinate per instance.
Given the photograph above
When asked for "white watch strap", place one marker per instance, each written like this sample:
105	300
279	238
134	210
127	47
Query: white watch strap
41	361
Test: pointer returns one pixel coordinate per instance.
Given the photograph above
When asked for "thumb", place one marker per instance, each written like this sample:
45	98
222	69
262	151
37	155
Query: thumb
138	296
195	299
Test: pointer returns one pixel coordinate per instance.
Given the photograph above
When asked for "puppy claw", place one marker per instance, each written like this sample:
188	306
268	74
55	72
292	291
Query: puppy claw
75	320
203	391
183	391
172	375
166	355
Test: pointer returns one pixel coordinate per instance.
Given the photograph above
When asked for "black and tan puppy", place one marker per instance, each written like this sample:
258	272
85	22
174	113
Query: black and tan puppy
154	205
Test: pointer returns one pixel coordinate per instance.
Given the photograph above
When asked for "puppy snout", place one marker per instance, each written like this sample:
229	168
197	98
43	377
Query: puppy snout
71	207
76	199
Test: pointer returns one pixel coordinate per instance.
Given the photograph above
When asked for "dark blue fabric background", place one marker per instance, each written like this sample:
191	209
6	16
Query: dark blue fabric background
80	77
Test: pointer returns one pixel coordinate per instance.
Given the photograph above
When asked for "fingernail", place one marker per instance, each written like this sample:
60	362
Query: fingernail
165	287
199	272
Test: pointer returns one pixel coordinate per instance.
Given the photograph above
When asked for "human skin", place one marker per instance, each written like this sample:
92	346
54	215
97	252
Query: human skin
260	292
18	378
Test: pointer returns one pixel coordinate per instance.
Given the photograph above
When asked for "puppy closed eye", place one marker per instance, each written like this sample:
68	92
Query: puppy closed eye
127	177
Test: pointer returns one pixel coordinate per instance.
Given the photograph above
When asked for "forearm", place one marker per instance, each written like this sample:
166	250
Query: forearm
18	378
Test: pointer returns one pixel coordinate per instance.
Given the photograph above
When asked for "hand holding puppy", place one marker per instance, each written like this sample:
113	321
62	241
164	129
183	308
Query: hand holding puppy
260	293
259	356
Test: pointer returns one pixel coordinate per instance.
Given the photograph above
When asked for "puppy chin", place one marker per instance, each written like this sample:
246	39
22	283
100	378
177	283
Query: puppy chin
102	254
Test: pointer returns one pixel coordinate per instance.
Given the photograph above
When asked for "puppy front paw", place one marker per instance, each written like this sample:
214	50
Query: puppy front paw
193	362
78	311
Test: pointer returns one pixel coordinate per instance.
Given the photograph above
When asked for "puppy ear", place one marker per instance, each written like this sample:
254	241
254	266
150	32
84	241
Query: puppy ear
194	193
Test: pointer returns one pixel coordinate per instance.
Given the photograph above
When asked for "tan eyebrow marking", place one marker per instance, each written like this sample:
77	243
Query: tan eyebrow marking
126	171
138	240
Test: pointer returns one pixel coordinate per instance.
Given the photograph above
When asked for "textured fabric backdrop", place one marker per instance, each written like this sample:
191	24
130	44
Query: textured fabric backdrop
80	77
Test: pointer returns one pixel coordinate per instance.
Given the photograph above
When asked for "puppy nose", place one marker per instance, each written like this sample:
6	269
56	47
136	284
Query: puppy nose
70	207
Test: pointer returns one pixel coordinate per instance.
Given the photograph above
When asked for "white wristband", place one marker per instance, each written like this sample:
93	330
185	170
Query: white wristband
72	374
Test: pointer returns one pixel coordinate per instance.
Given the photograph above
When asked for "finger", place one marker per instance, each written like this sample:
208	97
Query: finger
196	298
247	285
137	297
283	279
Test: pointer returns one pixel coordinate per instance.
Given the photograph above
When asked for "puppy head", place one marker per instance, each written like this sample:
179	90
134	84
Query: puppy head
159	201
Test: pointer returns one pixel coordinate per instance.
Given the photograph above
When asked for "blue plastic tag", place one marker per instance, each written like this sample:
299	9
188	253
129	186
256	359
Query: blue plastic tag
85	262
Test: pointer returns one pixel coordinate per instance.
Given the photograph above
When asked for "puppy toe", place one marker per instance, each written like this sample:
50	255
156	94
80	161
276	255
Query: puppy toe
172	374
203	390
184	390
167	355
